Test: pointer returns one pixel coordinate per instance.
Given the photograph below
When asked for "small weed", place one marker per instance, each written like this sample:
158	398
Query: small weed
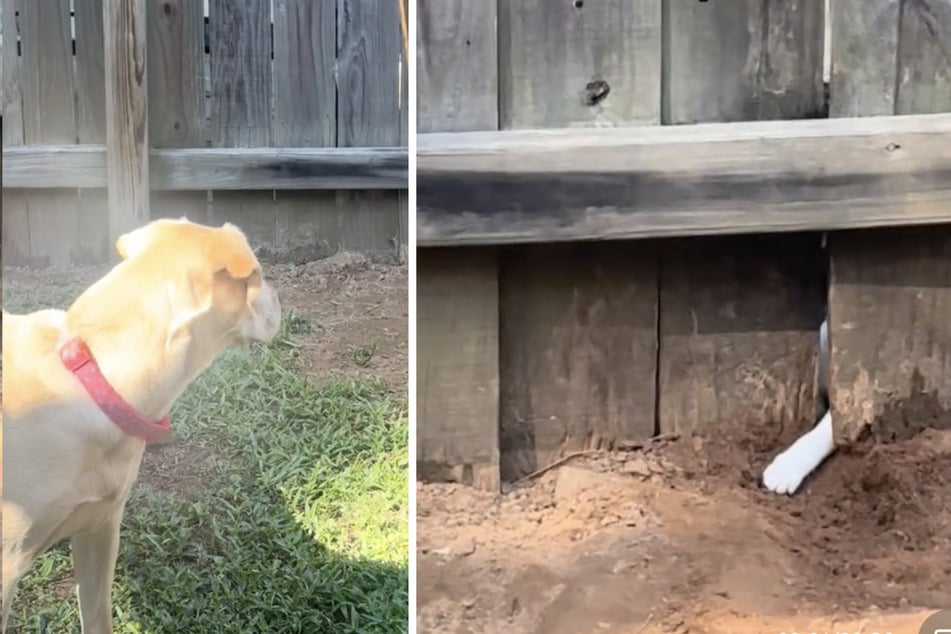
363	355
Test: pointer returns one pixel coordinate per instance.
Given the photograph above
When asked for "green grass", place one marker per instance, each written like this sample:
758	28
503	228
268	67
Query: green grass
293	517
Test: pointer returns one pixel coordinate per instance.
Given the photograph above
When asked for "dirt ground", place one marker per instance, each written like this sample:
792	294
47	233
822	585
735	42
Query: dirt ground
677	536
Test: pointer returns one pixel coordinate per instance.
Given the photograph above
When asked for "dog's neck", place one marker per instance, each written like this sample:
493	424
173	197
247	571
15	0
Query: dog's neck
133	346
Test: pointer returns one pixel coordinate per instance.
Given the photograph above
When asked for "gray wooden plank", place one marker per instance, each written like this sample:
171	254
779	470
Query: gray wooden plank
219	168
15	229
578	346
739	319
457	367
457	83
240	73
176	74
368	109
11	99
91	241
305	94
47	72
924	58
508	187
90	77
864	57
579	63
127	156
742	60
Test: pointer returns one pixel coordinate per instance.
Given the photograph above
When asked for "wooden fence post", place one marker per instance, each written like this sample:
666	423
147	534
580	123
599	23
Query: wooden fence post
127	129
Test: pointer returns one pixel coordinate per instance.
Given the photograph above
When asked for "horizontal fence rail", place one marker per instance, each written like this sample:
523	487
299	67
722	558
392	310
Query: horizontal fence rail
762	176
69	166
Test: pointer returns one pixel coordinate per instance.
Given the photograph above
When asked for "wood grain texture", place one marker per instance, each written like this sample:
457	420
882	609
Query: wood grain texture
578	350
889	331
49	116
864	57
90	77
240	73
305	95
924	58
457	367
127	124
509	187
90	242
47	81
742	60
219	168
16	229
552	54
739	323
176	74
11	99
457	81
368	110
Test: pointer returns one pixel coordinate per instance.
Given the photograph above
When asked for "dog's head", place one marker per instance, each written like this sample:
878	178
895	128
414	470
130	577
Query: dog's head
215	285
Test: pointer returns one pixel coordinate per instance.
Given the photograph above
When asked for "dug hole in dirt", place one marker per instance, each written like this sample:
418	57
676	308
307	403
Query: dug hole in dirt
678	536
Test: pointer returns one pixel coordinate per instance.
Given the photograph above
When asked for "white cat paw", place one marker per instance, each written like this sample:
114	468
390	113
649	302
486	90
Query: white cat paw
786	472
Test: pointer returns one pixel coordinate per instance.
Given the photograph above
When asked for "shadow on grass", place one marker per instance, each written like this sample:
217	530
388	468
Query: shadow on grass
279	507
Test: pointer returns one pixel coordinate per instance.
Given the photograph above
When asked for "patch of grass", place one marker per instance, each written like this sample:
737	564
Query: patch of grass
363	355
299	523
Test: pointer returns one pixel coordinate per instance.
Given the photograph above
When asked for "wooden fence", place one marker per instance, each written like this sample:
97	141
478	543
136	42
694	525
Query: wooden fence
288	117
543	327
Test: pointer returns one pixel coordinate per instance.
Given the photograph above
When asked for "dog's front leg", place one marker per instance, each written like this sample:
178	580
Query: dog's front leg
94	561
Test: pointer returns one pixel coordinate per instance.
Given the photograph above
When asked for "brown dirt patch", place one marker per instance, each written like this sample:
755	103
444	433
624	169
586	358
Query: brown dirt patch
678	537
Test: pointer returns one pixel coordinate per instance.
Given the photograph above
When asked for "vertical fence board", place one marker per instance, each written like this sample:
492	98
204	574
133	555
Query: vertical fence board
457	80
49	117
308	224
924	59
578	345
864	53
739	324
457	360
890	294
457	367
368	114
889	331
16	229
240	55
10	98
742	60
565	64
177	95
127	124
91	243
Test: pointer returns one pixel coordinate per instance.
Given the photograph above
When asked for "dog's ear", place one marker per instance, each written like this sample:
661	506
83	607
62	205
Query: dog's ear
132	243
232	254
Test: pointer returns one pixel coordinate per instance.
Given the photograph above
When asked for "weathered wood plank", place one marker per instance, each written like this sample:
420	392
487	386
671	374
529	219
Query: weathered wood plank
307	223
457	367
176	74
305	96
575	63
457	82
889	331
11	99
578	350
368	109
509	187
924	58
127	123
742	60
90	242
49	116
739	323
47	72
218	168
15	229
864	57
240	73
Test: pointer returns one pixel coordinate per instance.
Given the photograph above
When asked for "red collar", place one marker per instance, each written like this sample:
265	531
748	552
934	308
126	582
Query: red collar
78	359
